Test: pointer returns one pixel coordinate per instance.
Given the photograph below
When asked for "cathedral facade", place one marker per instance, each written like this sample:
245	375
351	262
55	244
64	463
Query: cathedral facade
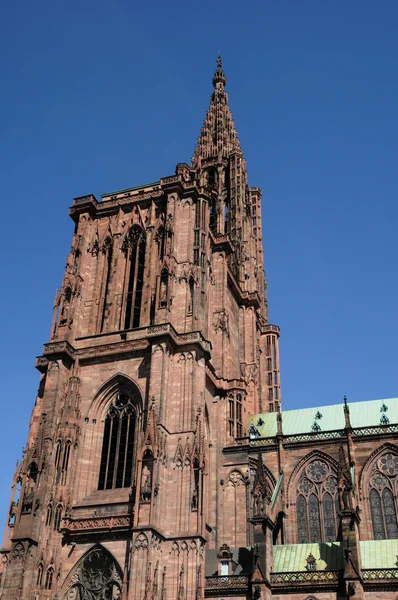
159	464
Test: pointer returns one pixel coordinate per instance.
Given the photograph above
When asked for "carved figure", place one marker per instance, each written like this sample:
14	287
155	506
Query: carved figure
163	293
146	484
13	513
194	501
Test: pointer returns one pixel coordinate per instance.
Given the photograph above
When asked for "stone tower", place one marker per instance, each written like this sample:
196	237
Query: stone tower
159	349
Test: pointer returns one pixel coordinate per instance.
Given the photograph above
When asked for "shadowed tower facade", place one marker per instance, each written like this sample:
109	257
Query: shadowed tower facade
160	347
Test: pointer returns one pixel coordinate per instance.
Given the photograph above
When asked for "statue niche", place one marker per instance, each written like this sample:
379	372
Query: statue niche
146	477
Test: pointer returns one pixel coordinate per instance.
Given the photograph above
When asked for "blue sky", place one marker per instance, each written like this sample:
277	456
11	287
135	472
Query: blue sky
103	95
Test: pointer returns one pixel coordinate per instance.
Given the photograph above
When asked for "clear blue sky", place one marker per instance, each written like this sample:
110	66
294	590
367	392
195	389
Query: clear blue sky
103	95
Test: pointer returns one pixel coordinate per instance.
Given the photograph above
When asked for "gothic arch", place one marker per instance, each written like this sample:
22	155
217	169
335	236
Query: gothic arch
118	383
313	455
234	508
369	463
96	573
115	412
313	498
379	489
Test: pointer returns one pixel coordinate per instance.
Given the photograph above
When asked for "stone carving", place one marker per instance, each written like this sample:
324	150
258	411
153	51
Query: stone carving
96	523
18	551
97	577
194	501
146	484
221	322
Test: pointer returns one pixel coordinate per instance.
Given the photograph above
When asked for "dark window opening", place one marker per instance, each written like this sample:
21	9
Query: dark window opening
49	579
49	515
57	518
136	278
107	302
212	214
116	466
226	219
39	575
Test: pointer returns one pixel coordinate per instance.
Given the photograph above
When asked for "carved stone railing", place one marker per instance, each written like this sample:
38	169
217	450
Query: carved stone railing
293	578
88	198
226	582
310	437
171	179
375	430
380	574
273	328
96	523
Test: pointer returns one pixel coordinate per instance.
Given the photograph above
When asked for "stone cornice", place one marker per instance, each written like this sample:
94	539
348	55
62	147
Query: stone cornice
142	338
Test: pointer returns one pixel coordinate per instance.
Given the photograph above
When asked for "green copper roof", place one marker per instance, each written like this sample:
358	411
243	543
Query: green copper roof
132	189
293	557
362	414
379	554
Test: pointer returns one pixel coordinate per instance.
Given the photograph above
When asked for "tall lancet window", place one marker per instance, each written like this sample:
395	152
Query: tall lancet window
134	247
117	459
383	494
108	251
316	503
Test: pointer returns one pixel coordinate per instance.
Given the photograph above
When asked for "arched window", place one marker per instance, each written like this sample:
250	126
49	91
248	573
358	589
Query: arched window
117	459
39	575
96	576
58	451
196	486
134	245
49	514
316	502
226	218
57	517
65	462
108	251
212	215
49	578
383	487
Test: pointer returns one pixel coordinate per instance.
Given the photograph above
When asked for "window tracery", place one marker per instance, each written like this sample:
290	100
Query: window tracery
49	578
116	468
96	577
134	246
49	514
39	578
316	500
58	517
383	488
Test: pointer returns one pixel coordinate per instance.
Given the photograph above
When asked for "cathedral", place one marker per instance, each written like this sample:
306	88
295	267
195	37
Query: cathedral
159	463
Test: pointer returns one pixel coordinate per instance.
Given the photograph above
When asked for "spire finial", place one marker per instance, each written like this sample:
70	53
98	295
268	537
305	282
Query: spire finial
219	75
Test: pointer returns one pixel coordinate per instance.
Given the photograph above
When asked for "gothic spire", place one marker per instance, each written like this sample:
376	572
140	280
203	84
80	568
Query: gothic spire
218	137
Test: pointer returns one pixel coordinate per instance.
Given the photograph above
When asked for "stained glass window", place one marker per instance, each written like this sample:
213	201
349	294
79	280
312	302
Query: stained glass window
118	444
383	497
390	514
314	520
377	515
301	512
328	518
315	505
